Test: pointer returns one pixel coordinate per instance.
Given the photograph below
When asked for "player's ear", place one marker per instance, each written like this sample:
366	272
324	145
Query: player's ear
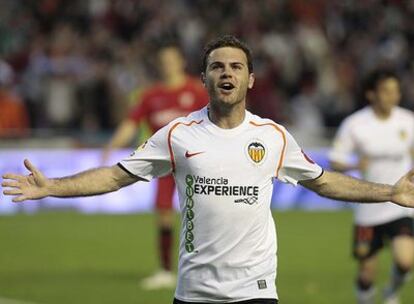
251	80
203	78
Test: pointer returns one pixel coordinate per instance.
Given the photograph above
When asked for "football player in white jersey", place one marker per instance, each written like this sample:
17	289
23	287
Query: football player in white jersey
382	137
224	160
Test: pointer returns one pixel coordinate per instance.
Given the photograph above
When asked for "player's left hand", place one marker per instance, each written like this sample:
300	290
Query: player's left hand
403	191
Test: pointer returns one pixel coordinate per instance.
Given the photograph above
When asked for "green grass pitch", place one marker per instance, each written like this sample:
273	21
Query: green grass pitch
72	258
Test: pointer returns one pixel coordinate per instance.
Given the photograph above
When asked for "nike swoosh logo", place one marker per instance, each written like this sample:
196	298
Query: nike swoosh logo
188	154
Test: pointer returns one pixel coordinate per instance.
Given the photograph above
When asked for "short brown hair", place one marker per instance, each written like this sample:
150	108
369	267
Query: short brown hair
373	79
227	41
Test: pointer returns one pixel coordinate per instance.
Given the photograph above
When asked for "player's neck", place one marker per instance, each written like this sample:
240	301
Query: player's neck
227	117
381	114
175	81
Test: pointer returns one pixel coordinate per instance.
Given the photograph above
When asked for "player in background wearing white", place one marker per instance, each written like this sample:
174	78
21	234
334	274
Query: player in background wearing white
382	136
224	160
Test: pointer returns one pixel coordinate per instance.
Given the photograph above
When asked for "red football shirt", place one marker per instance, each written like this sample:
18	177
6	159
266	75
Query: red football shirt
160	104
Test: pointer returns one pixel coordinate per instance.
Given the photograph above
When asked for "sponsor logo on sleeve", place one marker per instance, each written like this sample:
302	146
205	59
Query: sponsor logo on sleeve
142	146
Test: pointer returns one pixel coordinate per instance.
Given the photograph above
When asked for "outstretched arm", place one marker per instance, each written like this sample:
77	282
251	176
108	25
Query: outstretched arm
91	182
342	187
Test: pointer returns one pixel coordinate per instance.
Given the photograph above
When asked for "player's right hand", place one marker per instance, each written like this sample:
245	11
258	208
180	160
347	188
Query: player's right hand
26	187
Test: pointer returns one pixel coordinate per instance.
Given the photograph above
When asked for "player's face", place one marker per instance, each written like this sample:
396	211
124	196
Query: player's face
386	96
227	76
171	62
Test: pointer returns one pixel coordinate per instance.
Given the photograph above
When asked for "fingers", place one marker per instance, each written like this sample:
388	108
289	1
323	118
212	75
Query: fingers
12	176
29	166
35	172
16	191
19	199
11	184
14	183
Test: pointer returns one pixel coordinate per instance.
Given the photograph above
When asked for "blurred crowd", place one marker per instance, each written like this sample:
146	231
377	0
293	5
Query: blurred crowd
77	64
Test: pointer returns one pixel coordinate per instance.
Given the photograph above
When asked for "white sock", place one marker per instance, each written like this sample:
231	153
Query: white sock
366	296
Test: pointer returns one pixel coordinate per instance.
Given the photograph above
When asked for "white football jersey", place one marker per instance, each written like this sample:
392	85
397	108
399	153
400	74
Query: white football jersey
225	180
387	144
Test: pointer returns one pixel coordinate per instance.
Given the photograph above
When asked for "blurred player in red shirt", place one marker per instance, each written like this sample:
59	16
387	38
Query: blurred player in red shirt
178	94
14	119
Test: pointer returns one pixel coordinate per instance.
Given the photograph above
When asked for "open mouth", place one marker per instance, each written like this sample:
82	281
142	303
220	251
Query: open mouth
226	86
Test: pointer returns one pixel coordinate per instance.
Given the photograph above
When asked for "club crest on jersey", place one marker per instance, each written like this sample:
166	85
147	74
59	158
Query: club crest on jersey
256	151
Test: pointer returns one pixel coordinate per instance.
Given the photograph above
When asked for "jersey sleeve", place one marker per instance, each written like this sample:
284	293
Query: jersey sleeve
151	159
296	165
343	145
